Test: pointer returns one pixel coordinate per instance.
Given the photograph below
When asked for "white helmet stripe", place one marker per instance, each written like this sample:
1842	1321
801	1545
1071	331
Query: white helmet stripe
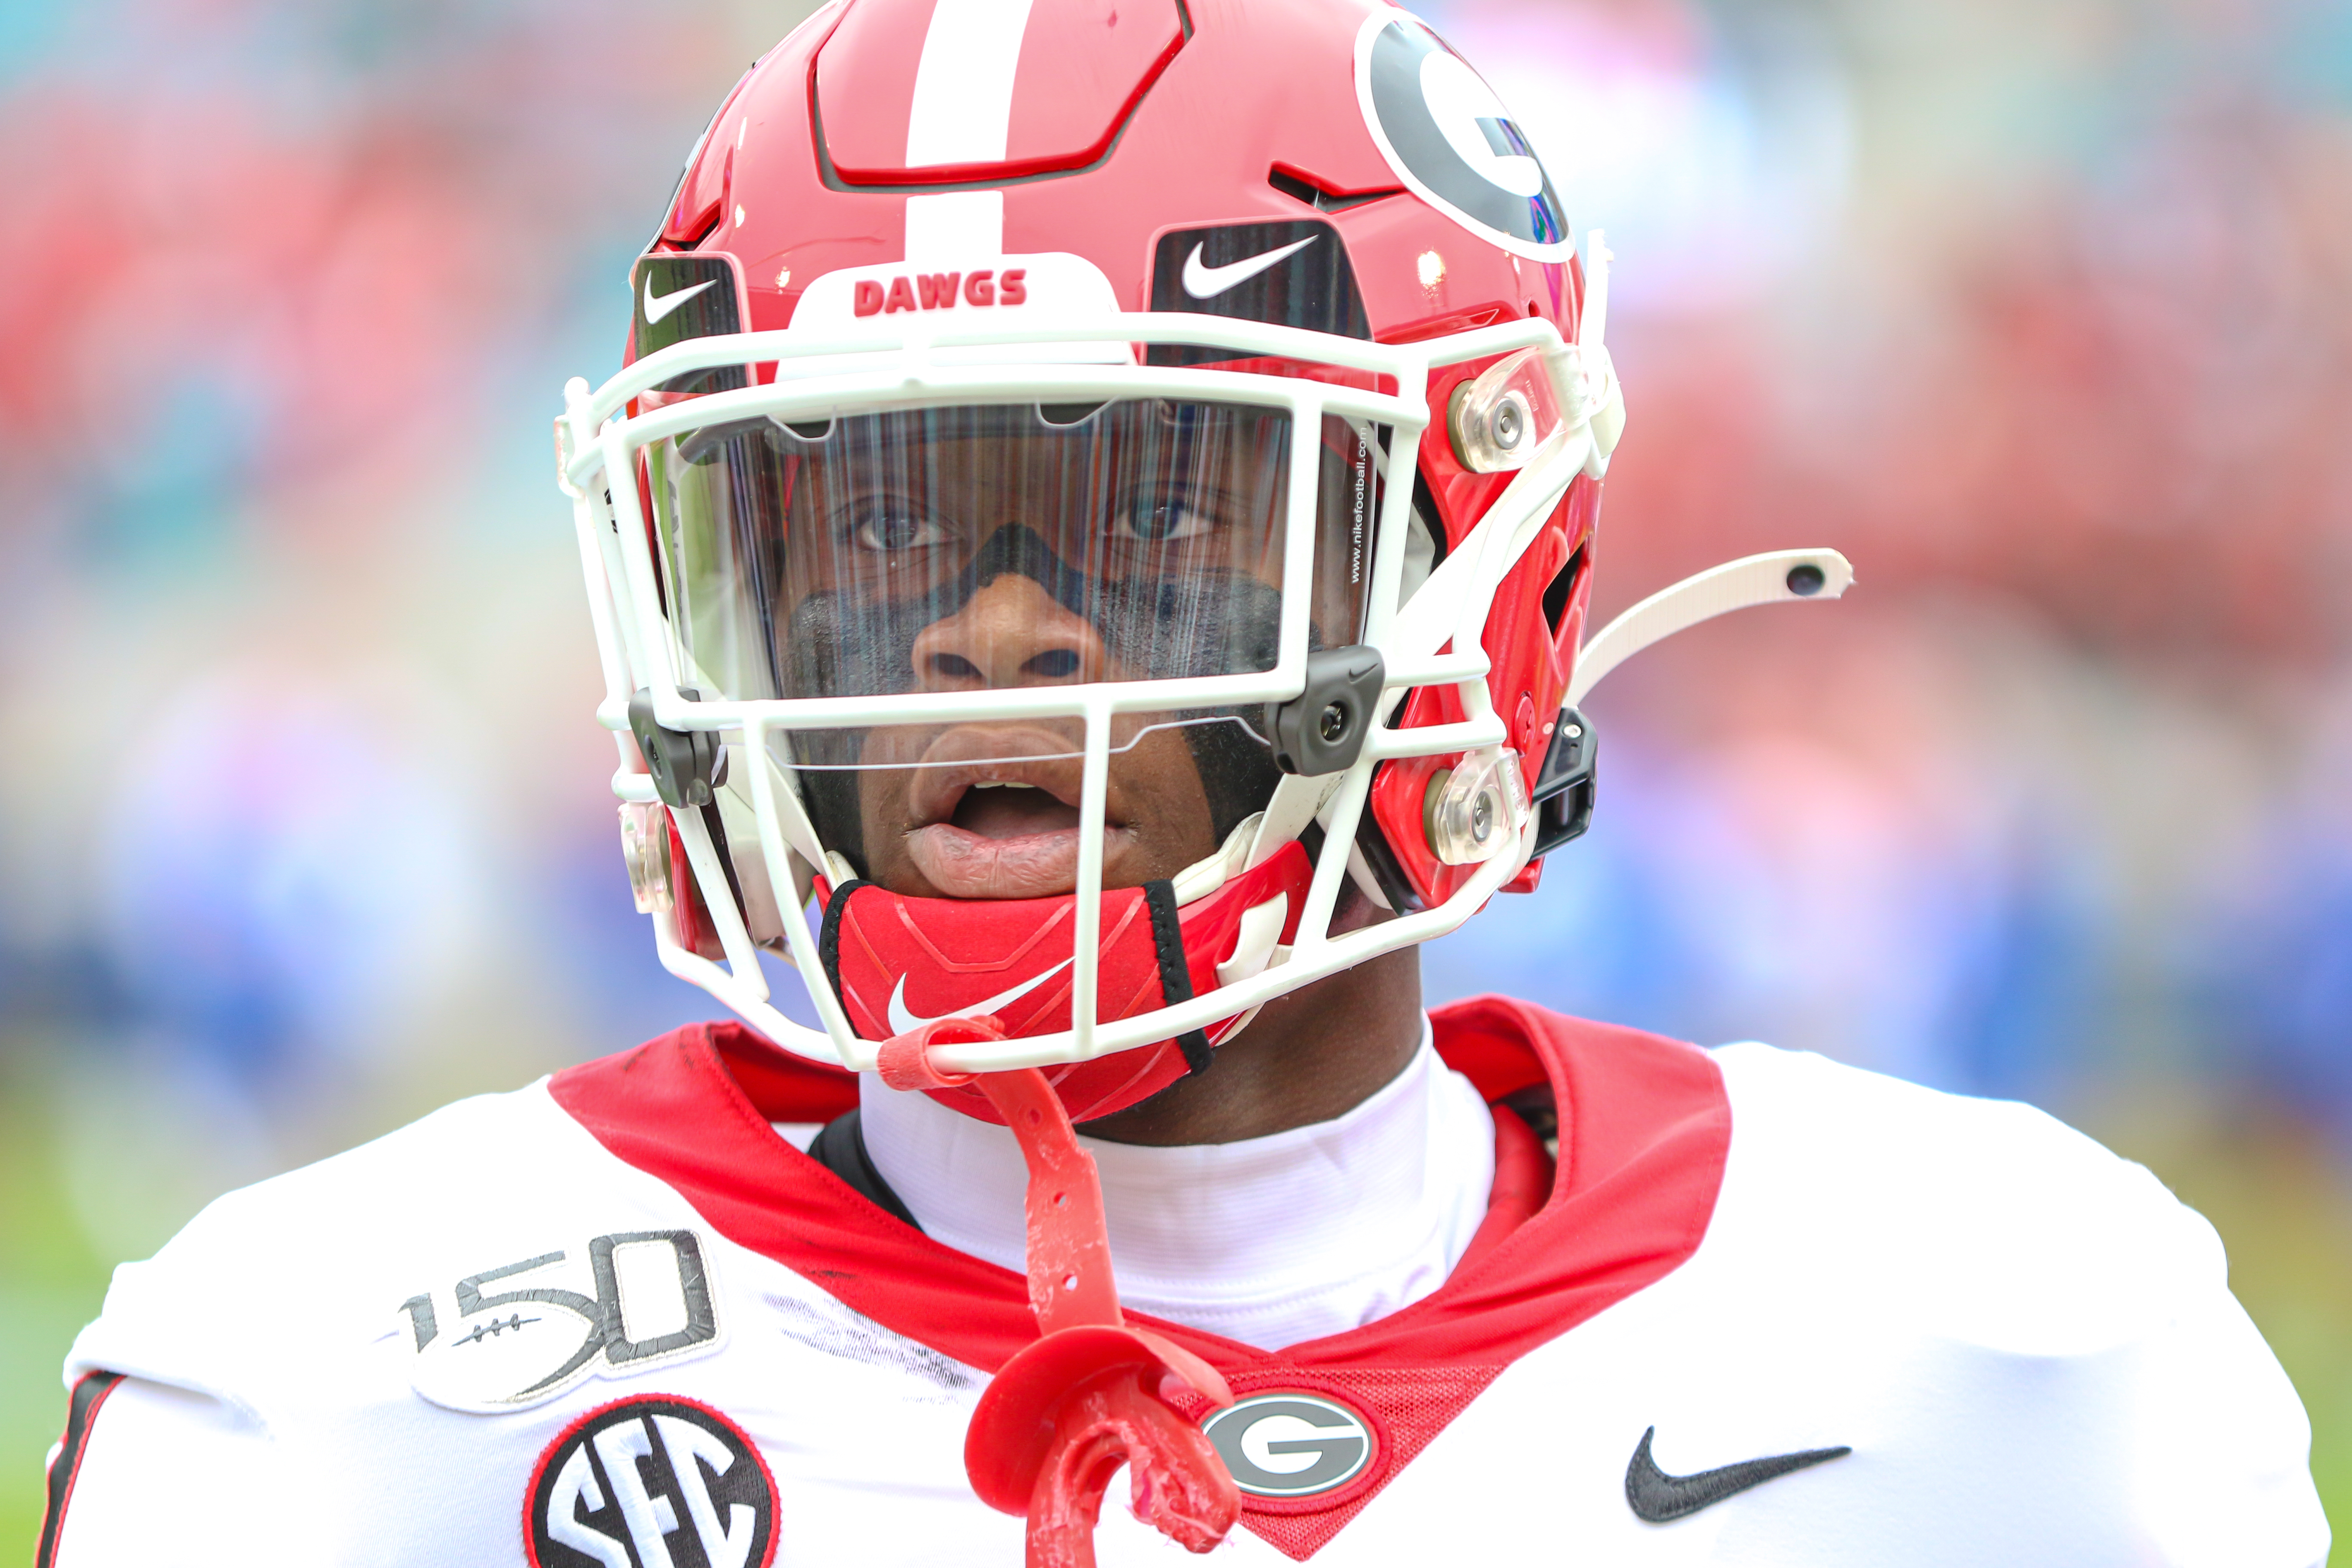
962	108
954	227
963	113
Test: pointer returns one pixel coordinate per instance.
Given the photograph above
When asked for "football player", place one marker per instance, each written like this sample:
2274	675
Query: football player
1099	515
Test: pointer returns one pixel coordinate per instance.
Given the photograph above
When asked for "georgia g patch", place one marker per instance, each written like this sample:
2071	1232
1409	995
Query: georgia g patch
651	1481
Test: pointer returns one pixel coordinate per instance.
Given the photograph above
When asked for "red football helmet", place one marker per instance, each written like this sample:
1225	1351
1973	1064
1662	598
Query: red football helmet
1040	395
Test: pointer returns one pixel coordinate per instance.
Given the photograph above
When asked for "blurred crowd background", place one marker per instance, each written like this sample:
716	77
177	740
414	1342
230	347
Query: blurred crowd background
2041	312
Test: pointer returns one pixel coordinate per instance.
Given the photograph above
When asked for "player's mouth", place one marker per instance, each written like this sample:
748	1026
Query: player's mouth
1005	829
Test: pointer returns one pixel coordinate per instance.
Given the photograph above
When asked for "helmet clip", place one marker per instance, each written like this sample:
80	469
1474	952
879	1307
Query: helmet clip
1322	728
684	762
1563	792
645	846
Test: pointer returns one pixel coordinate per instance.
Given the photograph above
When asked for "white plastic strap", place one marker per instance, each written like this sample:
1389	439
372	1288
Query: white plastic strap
1778	577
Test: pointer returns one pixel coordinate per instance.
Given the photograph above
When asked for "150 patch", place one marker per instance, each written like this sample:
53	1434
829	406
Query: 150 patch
519	1335
652	1482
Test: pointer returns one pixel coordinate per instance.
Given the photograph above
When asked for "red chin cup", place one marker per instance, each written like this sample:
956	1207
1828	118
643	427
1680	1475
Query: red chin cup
1092	1394
900	963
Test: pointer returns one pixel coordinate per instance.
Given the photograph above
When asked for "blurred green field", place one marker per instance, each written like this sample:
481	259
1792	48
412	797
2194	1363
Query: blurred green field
2282	1199
2279	1197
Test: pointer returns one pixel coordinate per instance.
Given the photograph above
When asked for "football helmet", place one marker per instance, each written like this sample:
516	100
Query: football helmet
1039	411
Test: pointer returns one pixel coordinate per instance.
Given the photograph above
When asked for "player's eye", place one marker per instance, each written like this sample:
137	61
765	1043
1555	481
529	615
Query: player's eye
1159	517
892	524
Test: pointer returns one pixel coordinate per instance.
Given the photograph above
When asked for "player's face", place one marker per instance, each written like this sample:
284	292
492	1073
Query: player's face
993	811
1001	548
1064	567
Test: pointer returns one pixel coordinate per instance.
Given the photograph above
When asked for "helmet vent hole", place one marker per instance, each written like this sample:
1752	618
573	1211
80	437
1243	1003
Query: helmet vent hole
1561	588
1291	186
1299	187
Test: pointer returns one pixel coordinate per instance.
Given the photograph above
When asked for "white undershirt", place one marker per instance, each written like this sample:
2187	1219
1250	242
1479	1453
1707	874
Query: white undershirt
1269	1241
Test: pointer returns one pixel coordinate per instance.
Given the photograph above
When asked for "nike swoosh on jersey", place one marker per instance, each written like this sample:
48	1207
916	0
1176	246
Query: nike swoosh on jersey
1208	282
660	305
903	1022
1660	1498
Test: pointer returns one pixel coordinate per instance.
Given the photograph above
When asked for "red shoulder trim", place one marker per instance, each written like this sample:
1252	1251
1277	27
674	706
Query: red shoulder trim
1645	1128
81	1414
780	1085
1643	1132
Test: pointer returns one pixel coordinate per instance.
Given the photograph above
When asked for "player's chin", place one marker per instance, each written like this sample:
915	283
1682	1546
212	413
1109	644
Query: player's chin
956	864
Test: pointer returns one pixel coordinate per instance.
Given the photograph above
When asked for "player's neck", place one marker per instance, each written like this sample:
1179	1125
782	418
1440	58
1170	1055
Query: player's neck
1270	1240
1312	1056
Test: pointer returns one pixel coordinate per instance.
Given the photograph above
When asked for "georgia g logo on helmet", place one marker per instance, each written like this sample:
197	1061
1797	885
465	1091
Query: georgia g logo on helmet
1451	141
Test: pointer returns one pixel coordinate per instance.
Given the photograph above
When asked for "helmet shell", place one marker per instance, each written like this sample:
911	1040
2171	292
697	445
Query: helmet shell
1171	150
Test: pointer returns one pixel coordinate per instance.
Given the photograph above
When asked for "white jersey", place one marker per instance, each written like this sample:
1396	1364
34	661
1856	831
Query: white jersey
1760	1309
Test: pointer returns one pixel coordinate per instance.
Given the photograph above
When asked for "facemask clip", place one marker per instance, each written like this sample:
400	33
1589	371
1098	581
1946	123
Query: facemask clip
1502	418
1474	810
1322	728
645	846
684	762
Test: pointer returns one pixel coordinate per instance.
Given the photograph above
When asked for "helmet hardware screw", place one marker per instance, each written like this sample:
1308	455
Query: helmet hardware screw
1473	811
1334	722
1510	424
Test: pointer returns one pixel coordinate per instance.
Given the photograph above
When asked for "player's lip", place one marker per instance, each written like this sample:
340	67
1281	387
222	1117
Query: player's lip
971	755
962	864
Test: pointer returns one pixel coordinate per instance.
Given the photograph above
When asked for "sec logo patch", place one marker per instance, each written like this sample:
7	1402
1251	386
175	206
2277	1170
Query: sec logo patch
655	1482
1290	1444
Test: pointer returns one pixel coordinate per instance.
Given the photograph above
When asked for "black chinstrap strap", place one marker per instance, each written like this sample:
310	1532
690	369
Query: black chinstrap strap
828	936
1175	974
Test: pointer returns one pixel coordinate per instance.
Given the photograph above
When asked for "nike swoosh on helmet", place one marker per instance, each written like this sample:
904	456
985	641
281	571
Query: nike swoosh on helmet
1208	282
660	305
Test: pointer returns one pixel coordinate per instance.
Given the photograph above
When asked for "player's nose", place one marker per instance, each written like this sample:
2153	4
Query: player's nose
1010	632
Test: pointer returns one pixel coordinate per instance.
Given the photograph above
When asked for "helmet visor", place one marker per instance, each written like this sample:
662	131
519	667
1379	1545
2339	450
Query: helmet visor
989	547
1000	548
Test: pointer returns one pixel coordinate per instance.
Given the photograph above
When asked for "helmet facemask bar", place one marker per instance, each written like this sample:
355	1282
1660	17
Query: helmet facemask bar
815	378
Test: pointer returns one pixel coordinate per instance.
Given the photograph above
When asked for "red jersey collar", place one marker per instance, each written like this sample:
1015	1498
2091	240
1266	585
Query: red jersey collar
1645	1129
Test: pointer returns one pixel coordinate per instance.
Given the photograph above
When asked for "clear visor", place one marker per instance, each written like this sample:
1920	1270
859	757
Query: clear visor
988	548
1007	548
